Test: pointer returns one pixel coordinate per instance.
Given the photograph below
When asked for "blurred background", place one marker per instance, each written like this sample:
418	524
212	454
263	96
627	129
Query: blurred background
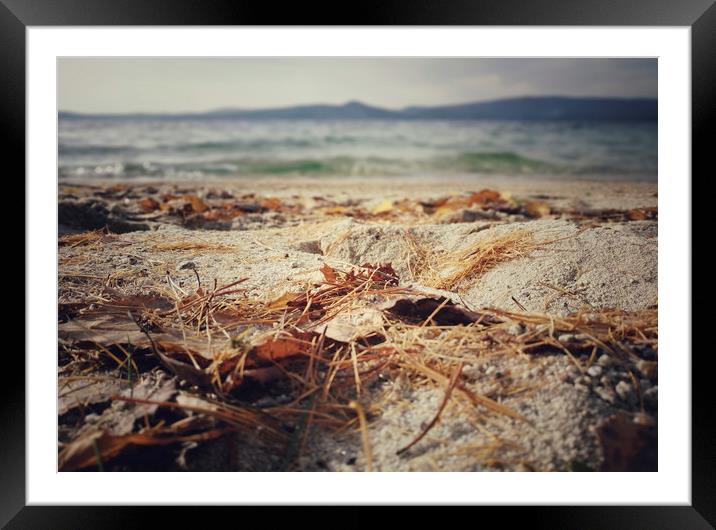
212	118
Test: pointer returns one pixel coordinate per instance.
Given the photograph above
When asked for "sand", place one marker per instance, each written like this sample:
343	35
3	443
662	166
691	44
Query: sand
569	266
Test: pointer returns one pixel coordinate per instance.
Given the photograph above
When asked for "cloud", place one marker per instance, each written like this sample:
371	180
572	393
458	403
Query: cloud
195	84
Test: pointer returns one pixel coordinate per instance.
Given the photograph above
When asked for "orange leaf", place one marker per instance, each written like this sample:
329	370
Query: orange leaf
537	208
329	273
636	215
483	196
275	348
271	203
197	204
148	205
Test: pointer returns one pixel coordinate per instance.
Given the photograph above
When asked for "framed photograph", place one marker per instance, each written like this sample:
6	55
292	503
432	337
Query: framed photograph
427	258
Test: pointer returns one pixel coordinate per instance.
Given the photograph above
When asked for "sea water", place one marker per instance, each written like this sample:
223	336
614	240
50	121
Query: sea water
206	148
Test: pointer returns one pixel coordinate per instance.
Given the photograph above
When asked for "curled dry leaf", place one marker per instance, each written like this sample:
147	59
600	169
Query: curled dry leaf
197	204
329	273
271	203
383	207
353	324
148	205
537	209
96	448
282	345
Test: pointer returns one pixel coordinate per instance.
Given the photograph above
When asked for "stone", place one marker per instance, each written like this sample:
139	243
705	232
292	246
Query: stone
186	264
606	393
594	370
605	360
648	368
625	391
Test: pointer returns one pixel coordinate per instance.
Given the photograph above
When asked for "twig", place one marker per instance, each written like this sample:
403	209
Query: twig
451	385
364	434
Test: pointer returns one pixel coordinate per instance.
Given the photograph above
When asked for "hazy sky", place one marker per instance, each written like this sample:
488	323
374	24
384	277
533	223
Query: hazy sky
197	84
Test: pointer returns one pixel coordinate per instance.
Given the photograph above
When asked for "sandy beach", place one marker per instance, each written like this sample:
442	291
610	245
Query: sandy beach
355	324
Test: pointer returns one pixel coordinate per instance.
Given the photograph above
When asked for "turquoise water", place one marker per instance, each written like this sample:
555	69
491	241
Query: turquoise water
196	148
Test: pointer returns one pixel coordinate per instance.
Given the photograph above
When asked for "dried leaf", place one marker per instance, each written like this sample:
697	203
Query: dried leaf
537	209
83	392
383	207
271	203
381	273
484	196
333	210
353	324
329	273
284	301
148	205
185	371
283	345
98	447
197	204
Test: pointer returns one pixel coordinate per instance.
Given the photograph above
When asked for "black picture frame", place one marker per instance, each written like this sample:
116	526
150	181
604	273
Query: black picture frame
700	15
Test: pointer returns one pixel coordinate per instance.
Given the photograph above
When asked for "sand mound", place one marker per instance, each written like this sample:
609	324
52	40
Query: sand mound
567	268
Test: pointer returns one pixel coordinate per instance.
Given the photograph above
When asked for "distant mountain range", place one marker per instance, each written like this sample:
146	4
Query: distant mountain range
524	108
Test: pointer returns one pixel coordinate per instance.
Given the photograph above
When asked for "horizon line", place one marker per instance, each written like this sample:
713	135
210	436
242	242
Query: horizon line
350	102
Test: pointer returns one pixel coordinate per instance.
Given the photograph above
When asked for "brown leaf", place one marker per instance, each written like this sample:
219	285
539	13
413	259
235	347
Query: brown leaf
186	371
381	273
102	446
285	300
271	203
197	204
537	209
484	196
329	273
282	346
148	205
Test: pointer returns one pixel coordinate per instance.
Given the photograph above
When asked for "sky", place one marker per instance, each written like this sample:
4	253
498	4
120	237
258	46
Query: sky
122	85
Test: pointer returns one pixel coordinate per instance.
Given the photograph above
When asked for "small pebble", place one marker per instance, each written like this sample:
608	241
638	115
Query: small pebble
187	264
494	371
471	372
573	372
625	392
584	380
605	360
606	393
594	370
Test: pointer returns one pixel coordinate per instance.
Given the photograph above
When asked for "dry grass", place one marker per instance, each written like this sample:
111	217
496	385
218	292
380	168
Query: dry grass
184	246
447	271
86	238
